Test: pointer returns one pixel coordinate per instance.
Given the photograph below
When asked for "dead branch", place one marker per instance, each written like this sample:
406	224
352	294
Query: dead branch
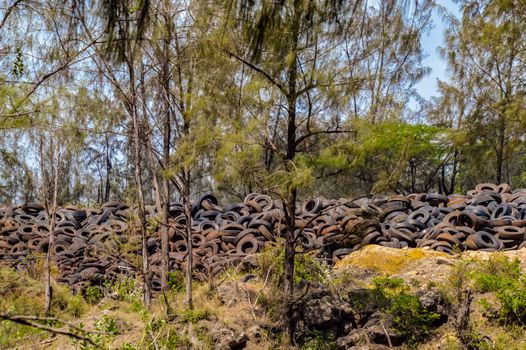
29	320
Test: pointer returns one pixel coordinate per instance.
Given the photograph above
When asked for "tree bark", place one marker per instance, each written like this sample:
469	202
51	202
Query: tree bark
138	180
188	229
52	219
290	203
166	149
500	149
108	171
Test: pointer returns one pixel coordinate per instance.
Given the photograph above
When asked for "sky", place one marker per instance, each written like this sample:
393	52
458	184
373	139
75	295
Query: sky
428	87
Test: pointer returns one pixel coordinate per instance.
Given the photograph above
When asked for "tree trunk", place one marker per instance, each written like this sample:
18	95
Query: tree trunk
290	204
52	219
149	148
166	149
188	228
500	149
454	172
138	180
108	171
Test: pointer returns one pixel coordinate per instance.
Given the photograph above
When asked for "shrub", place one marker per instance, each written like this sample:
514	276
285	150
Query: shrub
410	319
93	295
176	281
76	305
502	277
194	315
306	267
388	285
496	274
318	340
513	303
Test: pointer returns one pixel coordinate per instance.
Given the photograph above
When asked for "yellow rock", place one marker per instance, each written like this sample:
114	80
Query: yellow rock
384	260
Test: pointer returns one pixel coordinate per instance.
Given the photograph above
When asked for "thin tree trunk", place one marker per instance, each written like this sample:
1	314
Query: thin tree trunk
149	148
52	219
138	180
454	172
166	150
188	228
108	171
290	205
500	149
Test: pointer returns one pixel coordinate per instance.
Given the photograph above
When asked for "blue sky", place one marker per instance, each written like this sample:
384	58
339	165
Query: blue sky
427	87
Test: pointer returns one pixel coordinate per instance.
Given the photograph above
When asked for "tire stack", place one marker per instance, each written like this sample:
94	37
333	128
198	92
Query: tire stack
85	246
92	246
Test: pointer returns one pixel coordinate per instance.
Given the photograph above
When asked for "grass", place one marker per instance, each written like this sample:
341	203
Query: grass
226	304
21	294
498	312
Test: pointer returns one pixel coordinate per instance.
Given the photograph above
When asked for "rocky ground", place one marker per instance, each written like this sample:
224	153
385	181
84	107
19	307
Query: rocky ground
375	298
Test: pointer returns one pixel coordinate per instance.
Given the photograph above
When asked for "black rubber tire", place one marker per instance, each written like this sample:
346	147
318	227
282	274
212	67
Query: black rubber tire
485	240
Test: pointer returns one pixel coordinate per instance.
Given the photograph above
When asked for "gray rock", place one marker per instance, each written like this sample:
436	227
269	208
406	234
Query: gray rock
254	333
380	331
232	342
321	314
378	335
349	341
434	302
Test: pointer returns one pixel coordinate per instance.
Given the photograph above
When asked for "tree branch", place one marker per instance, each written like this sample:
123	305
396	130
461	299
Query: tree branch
27	320
258	70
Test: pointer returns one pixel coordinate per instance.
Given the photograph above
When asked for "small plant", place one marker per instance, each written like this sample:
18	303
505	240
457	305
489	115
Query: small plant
502	277
410	319
432	284
130	290
76	305
496	274
306	267
513	303
177	341
318	340
107	324
128	346
93	295
204	336
195	315
104	324
388	285
176	281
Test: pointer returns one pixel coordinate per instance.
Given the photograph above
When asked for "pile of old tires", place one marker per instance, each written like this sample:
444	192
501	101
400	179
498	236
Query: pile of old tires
94	246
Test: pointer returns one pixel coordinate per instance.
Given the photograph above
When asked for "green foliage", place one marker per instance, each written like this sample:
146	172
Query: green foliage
127	289
176	341
388	285
318	340
502	276
76	305
496	274
513	303
385	149
392	296
93	295
12	333
306	267
109	329
128	346
410	319
176	281
107	324
18	64
194	315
